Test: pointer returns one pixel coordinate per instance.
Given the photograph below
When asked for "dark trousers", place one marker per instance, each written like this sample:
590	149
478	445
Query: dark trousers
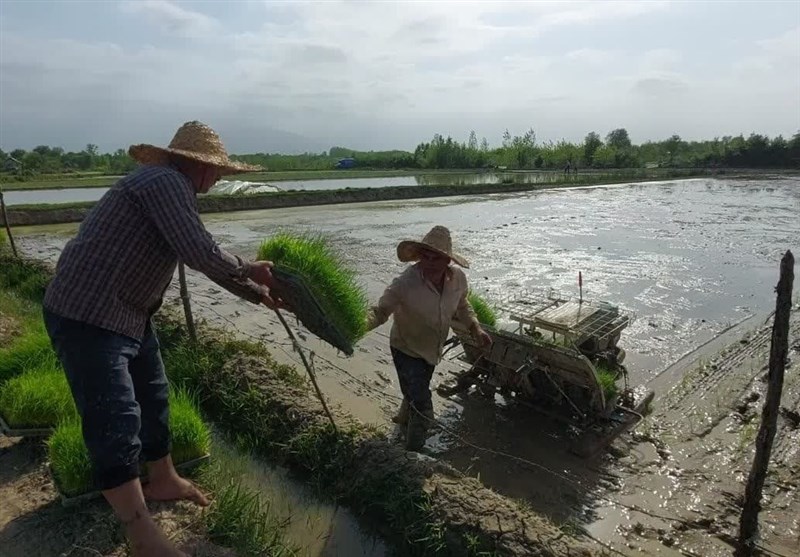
121	392
415	376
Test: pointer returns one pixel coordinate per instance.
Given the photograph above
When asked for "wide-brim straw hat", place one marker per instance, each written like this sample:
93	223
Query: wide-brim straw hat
196	141
438	240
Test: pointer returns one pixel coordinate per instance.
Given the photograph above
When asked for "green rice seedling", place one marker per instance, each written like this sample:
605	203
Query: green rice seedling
191	437
39	398
608	381
483	311
30	351
241	519
69	459
334	285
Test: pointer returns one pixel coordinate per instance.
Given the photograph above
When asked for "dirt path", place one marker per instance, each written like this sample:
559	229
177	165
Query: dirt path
33	521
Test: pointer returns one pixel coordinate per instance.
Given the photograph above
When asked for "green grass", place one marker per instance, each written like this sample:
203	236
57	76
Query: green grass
39	398
240	518
483	311
30	351
69	458
25	277
191	437
334	285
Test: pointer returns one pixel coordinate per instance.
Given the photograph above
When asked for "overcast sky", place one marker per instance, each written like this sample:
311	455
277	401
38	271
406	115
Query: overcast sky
289	76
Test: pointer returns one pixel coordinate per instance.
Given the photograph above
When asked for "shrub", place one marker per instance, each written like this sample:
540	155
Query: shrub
335	287
39	398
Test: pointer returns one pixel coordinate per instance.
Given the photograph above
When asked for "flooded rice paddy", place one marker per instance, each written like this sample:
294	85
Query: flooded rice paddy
227	187
689	258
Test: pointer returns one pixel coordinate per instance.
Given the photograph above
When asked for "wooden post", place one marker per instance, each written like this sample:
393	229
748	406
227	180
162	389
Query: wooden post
187	305
8	226
748	525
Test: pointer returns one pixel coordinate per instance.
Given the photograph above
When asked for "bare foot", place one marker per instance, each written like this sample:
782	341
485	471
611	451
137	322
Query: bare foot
174	488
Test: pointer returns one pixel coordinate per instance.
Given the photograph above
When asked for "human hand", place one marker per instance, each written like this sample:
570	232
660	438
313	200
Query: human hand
260	272
482	337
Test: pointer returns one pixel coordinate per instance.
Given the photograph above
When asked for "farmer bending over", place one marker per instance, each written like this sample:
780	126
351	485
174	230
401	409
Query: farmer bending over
424	299
110	280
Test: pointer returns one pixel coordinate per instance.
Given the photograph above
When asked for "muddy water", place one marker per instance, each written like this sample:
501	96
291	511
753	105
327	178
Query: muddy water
317	529
689	258
74	195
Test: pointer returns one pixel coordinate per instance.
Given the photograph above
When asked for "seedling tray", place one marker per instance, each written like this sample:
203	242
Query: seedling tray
71	501
23	431
293	290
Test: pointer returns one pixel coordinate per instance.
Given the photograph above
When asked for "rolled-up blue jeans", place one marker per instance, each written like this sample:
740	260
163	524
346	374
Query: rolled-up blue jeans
121	392
414	375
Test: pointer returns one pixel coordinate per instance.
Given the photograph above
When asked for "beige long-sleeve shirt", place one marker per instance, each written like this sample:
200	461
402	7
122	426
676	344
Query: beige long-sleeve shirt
422	315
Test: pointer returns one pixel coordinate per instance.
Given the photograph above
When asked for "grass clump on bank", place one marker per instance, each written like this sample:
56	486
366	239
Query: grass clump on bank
483	311
27	278
69	458
32	350
39	398
335	287
191	437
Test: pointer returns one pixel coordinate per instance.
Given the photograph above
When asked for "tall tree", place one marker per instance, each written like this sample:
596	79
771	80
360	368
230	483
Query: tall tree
590	146
473	141
618	139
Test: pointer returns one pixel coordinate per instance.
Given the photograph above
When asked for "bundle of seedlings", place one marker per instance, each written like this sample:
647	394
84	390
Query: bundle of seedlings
36	400
69	459
318	286
483	311
30	351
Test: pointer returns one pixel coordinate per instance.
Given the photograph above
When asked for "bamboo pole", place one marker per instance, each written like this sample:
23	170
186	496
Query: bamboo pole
187	304
308	367
8	226
748	525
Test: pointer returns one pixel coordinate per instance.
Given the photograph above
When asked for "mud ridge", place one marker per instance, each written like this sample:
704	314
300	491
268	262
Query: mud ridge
401	494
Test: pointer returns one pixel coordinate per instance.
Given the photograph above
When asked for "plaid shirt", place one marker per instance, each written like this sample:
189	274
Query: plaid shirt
114	273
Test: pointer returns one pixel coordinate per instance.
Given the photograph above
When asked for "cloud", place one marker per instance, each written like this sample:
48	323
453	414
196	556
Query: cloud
785	45
171	18
660	88
380	74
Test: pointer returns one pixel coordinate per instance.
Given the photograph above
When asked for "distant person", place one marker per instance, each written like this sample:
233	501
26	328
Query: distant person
109	281
424	300
566	168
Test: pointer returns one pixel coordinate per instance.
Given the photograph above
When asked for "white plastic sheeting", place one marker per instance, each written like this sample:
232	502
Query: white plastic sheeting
230	187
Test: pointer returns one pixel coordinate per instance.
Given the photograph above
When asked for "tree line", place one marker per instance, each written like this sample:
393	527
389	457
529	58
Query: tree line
615	150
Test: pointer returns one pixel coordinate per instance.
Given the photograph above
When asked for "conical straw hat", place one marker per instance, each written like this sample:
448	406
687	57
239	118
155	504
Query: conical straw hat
438	240
193	140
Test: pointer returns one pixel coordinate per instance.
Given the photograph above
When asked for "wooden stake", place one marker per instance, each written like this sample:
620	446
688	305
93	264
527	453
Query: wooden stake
8	226
187	304
310	371
748	525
